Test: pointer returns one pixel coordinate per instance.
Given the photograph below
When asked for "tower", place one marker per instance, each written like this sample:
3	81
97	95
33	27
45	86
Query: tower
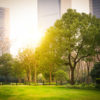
48	13
51	10
4	31
95	7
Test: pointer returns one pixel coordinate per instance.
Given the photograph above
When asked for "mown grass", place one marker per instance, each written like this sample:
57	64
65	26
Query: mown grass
47	93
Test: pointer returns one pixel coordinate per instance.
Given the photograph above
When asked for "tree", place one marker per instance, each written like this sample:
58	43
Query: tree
95	73
61	76
48	57
88	61
6	62
98	43
18	71
75	37
27	59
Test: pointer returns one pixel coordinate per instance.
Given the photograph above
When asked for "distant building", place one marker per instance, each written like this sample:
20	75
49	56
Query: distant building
48	13
51	10
4	31
95	7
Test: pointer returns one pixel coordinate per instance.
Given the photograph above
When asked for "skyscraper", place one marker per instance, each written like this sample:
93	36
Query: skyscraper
48	12
95	7
51	10
4	31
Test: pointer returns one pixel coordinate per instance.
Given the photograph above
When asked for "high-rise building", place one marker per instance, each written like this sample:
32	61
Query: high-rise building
51	10
95	7
48	12
4	31
87	6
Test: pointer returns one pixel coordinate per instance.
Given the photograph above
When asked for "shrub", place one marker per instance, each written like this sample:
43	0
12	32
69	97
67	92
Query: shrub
61	76
95	73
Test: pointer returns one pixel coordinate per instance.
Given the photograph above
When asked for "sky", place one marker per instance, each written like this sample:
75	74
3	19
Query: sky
24	19
23	22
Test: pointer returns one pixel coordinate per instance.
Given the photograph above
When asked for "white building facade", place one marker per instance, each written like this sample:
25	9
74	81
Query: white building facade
50	10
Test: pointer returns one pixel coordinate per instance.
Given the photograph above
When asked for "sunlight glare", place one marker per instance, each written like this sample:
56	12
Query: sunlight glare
24	30
25	39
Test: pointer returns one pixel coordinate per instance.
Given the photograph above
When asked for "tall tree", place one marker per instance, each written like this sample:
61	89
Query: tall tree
75	37
6	62
89	65
48	56
18	70
98	44
95	73
27	60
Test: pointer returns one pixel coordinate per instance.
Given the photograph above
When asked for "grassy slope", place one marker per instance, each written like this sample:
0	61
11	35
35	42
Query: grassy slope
46	93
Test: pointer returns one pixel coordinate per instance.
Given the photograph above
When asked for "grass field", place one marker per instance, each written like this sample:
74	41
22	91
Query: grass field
46	93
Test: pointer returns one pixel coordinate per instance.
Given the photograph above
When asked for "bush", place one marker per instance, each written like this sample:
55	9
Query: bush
95	73
97	80
98	83
61	76
83	86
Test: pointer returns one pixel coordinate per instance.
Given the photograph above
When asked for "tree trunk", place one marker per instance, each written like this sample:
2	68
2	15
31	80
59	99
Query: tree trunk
88	76
19	80
98	57
29	76
35	80
61	83
88	70
6	78
72	76
50	79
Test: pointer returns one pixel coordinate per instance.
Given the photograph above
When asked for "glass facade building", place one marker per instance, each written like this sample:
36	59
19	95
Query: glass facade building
4	31
51	10
48	12
95	7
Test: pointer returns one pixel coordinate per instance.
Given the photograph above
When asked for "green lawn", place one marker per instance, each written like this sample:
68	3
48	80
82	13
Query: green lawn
46	93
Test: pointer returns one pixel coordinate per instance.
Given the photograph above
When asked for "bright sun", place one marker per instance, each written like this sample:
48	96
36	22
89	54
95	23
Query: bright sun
25	39
24	35
24	25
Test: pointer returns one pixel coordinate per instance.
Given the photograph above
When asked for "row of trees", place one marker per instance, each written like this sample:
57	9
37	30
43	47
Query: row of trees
74	39
25	68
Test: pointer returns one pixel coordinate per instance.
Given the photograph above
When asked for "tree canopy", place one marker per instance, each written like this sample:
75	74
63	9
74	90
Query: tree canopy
73	37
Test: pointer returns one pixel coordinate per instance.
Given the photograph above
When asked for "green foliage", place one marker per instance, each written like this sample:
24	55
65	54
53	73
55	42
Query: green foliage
81	86
98	83
76	34
6	62
61	75
49	60
72	38
95	73
26	58
18	70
